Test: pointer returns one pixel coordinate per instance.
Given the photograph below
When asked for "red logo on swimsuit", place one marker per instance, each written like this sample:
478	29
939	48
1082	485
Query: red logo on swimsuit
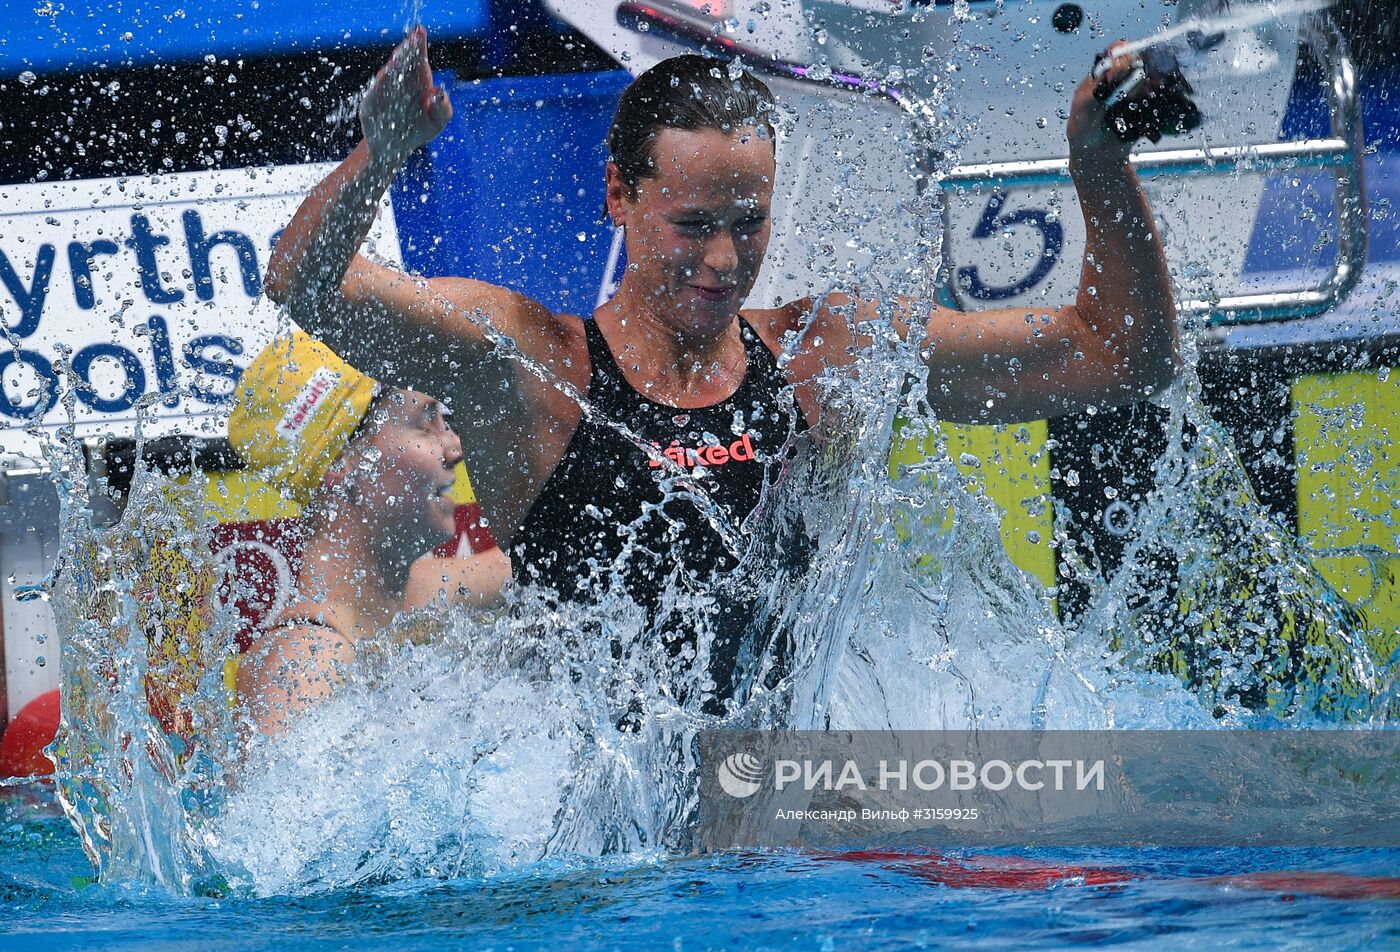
740	451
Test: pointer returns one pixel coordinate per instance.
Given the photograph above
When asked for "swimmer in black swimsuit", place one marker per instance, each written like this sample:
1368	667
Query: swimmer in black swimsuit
605	480
690	180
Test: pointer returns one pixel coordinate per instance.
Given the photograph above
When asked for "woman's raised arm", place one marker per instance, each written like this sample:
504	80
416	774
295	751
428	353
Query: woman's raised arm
1118	342
400	329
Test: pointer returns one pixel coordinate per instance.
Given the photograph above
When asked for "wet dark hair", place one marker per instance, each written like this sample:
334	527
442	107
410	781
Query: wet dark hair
685	92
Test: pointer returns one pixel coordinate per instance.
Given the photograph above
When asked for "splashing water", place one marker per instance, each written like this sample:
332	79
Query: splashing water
505	738
1249	16
545	730
1214	591
146	729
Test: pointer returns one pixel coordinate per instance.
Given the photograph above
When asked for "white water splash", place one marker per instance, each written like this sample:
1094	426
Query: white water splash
546	731
1247	17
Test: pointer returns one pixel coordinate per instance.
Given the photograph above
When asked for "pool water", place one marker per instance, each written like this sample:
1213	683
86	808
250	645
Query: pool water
1147	899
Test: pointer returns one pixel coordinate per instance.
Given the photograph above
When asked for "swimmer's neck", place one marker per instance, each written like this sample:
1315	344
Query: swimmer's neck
681	367
361	581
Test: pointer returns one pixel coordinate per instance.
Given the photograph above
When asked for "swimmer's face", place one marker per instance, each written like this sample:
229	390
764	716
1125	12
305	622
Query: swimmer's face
698	229
404	459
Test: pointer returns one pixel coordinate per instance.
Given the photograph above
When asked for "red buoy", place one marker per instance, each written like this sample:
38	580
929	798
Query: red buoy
33	729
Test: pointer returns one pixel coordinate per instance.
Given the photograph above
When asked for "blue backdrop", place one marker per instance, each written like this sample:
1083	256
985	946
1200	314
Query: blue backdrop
44	35
511	192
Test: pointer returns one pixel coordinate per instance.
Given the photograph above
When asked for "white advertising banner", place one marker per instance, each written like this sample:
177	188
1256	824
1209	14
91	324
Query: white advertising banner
129	299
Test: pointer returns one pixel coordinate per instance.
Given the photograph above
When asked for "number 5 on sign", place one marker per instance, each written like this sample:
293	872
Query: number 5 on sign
997	222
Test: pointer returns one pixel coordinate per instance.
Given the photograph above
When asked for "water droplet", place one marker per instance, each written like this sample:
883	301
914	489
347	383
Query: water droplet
30	593
27	78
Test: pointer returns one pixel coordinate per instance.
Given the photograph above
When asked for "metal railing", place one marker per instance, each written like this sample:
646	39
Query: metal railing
1340	151
689	27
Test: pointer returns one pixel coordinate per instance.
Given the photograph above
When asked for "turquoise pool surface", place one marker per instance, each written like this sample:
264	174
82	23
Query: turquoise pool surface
1145	899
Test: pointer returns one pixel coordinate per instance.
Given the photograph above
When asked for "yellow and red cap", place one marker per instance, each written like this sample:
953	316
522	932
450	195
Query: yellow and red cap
297	407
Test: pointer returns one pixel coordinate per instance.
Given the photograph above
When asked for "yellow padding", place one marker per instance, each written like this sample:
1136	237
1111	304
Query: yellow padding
462	493
1013	469
1348	483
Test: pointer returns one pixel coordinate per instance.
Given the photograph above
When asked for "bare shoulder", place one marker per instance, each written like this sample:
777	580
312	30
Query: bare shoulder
780	328
772	324
823	329
298	657
288	669
558	340
475	580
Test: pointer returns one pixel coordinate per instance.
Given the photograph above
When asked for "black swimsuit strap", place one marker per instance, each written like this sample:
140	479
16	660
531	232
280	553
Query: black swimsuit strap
598	354
298	620
605	481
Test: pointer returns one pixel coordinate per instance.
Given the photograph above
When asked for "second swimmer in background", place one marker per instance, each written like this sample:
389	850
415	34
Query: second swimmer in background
371	466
